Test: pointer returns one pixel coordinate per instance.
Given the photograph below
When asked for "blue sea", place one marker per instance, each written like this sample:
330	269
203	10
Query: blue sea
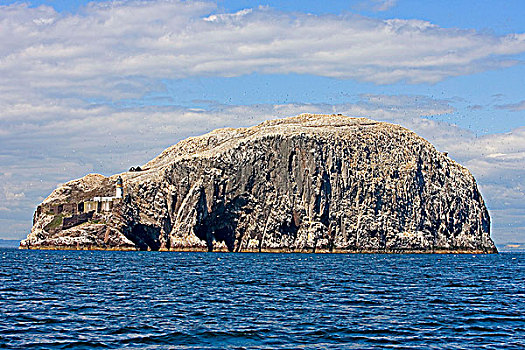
162	300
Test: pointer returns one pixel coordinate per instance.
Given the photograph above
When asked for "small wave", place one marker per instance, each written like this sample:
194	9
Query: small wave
249	283
248	334
460	285
441	302
175	337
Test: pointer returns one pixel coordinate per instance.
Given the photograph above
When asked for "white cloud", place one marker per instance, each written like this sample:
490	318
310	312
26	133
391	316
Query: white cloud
383	5
375	5
12	195
122	49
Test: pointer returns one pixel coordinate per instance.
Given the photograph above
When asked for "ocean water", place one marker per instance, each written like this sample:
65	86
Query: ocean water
155	300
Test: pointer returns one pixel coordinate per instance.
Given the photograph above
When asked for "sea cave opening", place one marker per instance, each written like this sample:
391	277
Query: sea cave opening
146	237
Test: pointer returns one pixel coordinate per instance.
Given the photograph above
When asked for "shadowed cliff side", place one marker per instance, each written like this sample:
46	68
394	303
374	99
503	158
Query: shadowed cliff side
311	183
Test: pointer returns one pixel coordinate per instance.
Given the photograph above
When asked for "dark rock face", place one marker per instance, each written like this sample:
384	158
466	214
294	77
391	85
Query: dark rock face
312	183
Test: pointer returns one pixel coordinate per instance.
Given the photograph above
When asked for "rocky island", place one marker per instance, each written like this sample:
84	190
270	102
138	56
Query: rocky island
311	183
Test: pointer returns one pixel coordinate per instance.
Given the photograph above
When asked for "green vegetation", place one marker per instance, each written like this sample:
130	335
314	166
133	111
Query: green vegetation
57	222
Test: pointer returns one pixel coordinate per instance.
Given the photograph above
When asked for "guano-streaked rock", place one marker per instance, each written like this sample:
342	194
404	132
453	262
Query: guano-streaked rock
311	183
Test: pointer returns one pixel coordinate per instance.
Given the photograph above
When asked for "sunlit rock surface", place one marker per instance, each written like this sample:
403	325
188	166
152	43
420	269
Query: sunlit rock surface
311	183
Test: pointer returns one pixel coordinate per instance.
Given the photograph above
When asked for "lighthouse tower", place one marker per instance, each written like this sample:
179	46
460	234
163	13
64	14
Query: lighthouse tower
120	190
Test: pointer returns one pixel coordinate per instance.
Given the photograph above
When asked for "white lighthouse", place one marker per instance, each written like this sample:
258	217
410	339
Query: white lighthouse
120	192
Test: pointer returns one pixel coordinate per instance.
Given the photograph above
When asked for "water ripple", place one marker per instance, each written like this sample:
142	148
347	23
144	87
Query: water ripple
152	300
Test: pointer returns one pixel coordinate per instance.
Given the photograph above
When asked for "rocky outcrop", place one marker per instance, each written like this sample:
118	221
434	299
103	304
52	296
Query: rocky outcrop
311	183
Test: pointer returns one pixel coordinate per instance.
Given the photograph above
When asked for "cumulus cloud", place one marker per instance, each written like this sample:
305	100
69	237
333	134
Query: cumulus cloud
118	50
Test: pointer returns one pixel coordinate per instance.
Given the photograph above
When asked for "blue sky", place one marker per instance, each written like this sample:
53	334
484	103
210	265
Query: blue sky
98	87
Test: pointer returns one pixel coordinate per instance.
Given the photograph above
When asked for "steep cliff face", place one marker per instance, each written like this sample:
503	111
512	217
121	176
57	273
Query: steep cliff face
312	183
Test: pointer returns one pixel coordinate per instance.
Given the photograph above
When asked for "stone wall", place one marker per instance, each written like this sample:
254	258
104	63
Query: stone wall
75	220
